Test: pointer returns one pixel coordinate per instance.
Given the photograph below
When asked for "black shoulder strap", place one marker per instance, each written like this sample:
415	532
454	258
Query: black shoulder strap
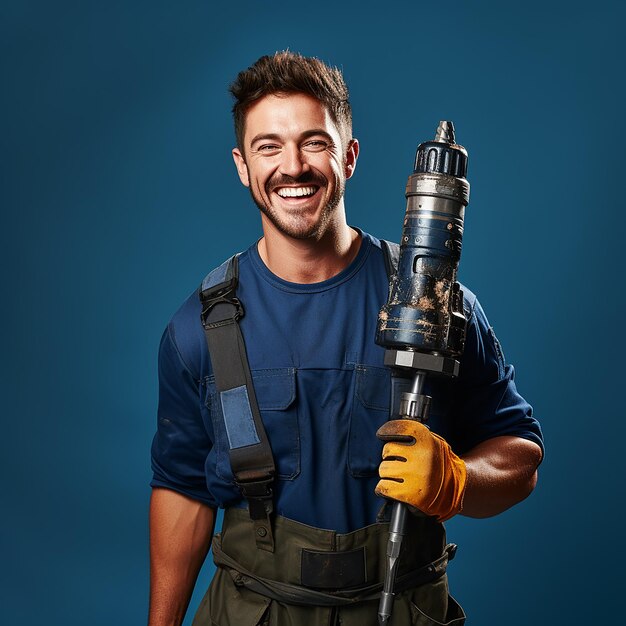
392	254
250	453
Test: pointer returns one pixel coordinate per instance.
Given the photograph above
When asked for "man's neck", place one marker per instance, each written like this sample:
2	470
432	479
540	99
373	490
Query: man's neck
309	261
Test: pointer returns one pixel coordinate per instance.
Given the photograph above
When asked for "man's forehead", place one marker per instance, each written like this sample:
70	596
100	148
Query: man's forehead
287	113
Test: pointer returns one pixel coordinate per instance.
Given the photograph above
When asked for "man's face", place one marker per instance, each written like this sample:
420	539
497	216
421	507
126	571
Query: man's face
294	163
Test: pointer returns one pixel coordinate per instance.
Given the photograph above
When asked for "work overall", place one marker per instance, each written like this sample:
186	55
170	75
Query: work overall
256	587
275	571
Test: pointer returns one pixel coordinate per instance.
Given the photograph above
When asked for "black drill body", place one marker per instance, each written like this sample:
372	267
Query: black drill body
422	326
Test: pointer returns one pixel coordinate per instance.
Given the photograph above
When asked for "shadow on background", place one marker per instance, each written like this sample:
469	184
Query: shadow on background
119	194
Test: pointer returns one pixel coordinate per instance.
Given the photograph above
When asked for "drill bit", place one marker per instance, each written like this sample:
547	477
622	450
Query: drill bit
445	132
394	544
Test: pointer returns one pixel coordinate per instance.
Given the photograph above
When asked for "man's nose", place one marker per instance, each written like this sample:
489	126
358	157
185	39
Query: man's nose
293	162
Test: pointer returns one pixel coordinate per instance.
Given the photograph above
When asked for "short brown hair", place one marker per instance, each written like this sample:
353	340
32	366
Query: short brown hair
290	72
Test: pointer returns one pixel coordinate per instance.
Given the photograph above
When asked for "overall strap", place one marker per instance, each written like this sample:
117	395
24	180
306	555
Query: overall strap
249	451
392	254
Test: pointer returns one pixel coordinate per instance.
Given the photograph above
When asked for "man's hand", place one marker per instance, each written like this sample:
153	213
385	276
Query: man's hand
420	469
180	536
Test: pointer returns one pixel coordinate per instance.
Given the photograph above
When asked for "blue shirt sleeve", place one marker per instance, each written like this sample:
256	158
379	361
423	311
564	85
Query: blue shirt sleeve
181	443
488	403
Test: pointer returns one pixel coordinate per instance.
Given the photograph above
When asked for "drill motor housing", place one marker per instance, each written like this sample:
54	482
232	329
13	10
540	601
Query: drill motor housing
424	312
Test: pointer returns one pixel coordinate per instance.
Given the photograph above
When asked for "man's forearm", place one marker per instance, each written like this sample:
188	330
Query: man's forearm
500	473
180	536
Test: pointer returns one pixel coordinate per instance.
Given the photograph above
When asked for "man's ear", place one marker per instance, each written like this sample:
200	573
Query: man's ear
242	168
352	154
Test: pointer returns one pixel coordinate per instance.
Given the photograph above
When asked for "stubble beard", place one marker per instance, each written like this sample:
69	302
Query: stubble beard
297	225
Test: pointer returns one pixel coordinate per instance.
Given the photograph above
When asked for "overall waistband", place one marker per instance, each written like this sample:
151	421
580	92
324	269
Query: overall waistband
312	566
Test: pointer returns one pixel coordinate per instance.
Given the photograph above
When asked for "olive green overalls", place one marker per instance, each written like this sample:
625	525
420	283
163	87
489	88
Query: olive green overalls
275	571
257	587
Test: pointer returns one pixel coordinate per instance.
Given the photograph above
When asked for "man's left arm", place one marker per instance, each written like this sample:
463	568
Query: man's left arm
500	473
490	462
507	448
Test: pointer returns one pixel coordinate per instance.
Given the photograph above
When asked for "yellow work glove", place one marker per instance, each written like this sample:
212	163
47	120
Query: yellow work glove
420	469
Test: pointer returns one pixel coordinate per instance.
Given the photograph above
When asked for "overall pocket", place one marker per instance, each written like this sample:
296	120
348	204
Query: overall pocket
370	410
455	615
432	605
275	390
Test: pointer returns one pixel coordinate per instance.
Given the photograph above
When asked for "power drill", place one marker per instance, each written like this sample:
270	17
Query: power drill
422	326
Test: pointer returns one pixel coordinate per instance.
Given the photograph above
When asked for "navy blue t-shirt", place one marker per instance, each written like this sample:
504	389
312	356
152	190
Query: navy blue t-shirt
322	390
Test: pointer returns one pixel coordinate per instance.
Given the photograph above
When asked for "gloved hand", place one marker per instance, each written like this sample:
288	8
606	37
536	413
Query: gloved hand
420	469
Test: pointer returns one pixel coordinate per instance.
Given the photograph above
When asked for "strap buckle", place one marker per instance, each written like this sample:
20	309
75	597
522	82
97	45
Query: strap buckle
259	495
223	293
260	498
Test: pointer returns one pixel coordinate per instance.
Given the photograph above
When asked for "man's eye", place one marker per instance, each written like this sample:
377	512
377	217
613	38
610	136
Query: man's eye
268	147
316	145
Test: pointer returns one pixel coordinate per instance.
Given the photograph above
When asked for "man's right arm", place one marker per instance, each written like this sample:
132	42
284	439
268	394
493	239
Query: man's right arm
180	535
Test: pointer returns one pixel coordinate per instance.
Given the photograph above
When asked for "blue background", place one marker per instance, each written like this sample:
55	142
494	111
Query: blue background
119	194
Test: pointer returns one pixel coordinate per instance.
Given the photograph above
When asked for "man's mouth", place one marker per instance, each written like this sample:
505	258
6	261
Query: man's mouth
297	192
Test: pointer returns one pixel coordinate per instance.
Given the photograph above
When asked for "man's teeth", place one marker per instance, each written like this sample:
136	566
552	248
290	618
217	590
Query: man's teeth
294	192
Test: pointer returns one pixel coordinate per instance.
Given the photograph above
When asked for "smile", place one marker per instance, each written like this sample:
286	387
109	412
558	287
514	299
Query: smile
296	192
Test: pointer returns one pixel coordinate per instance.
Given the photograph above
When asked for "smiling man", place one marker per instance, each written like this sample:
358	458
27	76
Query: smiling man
295	160
272	390
295	165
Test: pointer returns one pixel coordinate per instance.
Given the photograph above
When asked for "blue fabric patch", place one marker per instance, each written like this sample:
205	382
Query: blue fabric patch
240	426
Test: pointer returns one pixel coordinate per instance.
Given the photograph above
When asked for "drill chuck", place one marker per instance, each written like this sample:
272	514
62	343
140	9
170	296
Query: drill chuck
425	307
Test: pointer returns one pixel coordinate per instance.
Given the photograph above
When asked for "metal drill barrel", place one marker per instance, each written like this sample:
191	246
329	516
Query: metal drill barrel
423	324
425	307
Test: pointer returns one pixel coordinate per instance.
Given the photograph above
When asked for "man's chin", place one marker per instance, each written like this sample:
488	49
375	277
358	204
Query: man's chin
297	229
298	222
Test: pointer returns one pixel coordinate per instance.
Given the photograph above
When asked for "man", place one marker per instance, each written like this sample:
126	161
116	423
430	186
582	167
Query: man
311	289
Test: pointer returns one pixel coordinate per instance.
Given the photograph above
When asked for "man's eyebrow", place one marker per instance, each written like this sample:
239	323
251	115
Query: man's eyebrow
305	135
317	131
265	137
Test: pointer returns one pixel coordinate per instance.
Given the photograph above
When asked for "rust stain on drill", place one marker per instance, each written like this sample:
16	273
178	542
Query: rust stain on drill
425	303
428	329
442	293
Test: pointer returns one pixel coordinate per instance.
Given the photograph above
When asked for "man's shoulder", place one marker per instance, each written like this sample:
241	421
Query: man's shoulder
185	326
189	311
186	333
377	242
383	249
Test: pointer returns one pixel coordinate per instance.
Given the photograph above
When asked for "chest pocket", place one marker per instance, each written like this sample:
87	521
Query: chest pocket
275	391
370	410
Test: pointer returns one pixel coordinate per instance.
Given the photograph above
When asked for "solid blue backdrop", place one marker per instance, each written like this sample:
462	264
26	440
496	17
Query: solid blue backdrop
119	194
